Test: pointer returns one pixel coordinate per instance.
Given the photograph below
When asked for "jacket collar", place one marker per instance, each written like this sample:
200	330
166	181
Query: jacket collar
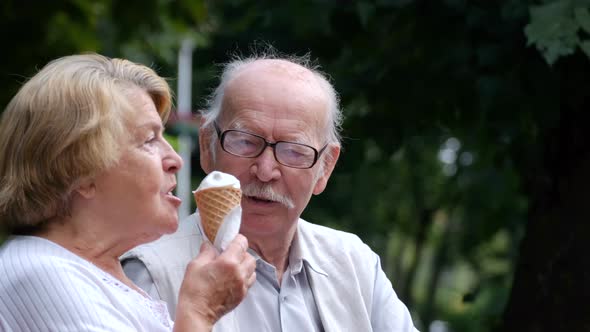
305	245
300	254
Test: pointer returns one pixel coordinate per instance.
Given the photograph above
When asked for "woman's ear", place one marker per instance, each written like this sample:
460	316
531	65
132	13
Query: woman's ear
329	159
86	188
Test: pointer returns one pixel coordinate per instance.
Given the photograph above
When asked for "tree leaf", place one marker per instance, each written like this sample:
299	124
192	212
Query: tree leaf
582	16
553	30
585	46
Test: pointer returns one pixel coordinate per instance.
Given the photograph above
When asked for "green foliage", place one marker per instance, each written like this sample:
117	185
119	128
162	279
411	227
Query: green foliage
558	27
173	140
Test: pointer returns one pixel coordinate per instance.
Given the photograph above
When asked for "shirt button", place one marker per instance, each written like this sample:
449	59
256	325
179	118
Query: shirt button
285	298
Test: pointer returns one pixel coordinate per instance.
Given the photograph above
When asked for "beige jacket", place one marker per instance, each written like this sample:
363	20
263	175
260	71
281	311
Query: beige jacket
351	290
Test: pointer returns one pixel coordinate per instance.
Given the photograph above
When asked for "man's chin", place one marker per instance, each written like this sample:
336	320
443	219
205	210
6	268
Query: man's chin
259	225
264	226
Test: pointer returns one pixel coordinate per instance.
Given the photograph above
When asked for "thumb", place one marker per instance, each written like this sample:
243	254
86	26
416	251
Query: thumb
207	252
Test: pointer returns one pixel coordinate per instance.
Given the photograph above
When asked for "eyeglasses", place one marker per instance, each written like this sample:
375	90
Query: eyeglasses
242	144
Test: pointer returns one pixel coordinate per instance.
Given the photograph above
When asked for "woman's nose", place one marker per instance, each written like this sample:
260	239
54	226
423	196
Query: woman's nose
172	161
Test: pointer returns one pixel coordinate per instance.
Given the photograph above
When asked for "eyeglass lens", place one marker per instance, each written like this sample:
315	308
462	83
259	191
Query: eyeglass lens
287	153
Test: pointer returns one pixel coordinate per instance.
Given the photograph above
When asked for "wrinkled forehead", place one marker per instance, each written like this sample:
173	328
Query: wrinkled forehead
136	109
277	70
280	85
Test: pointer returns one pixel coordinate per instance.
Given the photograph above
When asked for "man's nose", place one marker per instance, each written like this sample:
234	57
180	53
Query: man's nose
266	167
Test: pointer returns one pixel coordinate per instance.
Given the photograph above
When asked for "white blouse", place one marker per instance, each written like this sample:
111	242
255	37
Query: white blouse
45	287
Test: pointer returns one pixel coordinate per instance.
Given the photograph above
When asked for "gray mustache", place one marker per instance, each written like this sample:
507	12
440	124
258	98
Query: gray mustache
265	191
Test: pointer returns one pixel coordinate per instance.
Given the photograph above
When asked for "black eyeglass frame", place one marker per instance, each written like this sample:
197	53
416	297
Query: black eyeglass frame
221	135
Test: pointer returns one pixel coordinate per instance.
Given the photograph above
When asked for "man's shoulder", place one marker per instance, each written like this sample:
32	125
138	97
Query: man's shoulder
187	229
330	239
329	250
186	239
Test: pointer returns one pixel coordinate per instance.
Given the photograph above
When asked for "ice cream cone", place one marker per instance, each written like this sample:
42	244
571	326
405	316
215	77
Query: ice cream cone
214	204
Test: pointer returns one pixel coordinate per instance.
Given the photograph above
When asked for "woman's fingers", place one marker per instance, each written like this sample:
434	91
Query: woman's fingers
216	283
251	280
236	248
207	250
207	253
249	264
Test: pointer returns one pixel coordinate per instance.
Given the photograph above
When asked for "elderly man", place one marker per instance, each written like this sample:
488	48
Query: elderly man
273	123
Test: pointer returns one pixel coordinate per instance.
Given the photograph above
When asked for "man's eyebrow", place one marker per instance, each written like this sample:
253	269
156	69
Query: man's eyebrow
299	138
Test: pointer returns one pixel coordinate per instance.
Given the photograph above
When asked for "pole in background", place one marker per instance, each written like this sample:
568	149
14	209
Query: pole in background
185	69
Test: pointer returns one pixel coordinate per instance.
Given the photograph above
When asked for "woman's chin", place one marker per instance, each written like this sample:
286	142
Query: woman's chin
171	227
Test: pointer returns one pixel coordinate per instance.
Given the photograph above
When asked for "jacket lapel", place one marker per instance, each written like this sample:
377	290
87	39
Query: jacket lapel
339	304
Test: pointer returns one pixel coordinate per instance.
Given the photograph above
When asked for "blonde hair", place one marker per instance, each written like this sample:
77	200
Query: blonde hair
63	126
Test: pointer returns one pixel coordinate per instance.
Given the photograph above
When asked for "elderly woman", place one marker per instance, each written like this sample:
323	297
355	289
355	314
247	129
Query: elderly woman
85	175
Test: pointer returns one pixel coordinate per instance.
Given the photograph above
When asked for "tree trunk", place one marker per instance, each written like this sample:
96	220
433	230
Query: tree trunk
419	245
551	283
439	261
394	261
424	214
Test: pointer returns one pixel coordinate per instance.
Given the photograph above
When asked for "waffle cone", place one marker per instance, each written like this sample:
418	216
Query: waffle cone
214	204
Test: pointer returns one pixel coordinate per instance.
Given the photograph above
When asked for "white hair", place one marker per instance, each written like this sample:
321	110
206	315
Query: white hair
237	63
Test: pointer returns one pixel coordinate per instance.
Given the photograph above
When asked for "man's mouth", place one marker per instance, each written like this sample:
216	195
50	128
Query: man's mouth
260	199
265	194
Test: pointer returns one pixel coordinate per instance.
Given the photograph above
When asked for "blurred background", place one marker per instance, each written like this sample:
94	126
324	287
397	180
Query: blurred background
466	141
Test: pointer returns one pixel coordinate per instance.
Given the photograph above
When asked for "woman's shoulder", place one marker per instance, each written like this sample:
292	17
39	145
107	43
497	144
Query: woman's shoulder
29	253
36	262
57	289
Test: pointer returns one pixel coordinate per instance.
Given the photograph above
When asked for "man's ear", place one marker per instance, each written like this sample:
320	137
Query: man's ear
329	159
86	188
205	147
